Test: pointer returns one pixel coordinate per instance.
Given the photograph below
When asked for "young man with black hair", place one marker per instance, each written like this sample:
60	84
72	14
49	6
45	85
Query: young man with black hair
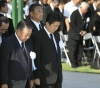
48	61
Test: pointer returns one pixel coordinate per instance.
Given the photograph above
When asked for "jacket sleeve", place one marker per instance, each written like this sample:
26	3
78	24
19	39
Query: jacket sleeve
74	23
36	49
5	53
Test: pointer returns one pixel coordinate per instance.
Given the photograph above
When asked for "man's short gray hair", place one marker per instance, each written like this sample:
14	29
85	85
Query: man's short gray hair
84	5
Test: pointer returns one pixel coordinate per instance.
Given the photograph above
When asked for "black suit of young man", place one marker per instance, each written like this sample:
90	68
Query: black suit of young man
48	60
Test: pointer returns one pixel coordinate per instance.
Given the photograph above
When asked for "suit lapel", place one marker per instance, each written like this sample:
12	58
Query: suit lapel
45	36
49	8
80	17
19	52
34	27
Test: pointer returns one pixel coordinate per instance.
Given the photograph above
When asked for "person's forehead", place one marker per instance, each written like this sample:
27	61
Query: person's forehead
37	7
55	23
26	29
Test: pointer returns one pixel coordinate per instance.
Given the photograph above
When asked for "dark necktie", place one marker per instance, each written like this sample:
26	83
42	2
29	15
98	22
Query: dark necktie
24	51
40	27
52	41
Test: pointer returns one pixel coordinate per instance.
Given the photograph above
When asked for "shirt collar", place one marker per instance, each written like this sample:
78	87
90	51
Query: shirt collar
36	23
0	39
2	13
40	2
18	39
94	6
60	9
51	6
80	13
47	31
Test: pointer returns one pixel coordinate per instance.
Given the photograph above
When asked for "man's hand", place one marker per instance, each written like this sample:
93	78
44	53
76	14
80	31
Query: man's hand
37	81
94	28
31	84
83	33
4	86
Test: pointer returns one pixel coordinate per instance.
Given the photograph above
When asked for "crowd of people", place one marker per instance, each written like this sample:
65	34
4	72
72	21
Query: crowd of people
30	55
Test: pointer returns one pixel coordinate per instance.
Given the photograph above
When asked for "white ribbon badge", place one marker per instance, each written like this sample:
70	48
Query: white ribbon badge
33	56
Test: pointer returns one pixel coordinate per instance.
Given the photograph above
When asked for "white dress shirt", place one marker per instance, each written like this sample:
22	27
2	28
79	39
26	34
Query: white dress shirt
36	24
80	13
18	39
69	8
60	9
2	13
94	6
9	10
26	8
20	42
51	6
0	39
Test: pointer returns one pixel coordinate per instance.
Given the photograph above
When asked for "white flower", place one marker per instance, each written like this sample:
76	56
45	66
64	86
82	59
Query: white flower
61	44
88	19
32	55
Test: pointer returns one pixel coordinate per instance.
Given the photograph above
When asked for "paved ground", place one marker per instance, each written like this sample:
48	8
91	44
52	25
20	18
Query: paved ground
80	80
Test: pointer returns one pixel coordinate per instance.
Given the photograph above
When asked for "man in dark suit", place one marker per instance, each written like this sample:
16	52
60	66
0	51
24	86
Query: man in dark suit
4	24
48	60
3	11
50	8
91	12
36	15
76	33
15	61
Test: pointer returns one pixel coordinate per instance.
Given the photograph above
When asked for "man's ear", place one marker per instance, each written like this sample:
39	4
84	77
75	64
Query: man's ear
31	13
17	31
47	23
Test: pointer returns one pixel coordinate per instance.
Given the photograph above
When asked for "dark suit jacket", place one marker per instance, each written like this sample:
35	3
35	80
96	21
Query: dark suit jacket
13	65
35	30
96	23
5	35
77	25
46	11
48	61
11	27
90	14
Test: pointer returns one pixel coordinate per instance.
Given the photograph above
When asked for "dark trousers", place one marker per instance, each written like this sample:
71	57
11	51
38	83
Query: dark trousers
89	53
58	84
75	51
